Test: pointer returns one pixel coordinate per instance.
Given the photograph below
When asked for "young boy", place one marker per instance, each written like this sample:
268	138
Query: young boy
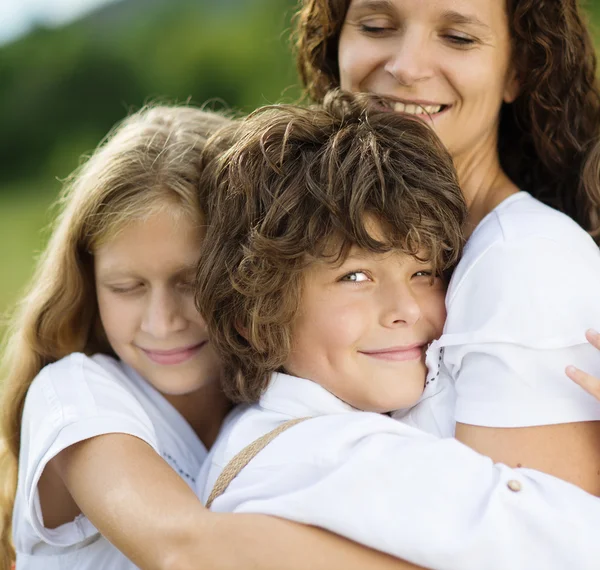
335	228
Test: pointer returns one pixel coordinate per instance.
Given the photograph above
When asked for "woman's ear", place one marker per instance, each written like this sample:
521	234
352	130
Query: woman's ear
512	89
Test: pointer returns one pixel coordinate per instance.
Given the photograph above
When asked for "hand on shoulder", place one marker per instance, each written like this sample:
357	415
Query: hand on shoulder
589	383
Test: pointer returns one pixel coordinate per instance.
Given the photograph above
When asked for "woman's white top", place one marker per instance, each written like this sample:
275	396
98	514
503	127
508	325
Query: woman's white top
74	399
382	483
519	303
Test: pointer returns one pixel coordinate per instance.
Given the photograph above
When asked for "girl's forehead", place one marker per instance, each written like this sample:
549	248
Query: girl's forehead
155	243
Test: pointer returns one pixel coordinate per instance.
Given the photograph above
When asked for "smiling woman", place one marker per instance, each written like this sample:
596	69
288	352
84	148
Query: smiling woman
510	89
450	67
520	74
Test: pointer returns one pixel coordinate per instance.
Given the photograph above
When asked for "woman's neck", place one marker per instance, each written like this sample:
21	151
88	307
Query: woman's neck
483	181
205	409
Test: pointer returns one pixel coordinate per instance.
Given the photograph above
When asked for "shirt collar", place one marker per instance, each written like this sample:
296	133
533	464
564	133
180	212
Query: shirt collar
299	398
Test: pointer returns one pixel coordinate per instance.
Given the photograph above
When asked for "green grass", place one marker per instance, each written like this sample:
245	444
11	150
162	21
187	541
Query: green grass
23	217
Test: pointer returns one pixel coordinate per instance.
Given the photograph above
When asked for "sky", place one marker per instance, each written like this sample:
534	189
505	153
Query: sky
18	16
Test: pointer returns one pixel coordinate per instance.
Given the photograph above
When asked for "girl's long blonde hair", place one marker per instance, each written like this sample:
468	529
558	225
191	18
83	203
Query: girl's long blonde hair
151	160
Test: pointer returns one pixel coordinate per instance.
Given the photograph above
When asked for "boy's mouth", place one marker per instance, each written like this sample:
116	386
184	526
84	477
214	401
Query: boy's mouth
397	353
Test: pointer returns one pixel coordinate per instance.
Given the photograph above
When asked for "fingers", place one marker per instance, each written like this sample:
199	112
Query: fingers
588	382
593	338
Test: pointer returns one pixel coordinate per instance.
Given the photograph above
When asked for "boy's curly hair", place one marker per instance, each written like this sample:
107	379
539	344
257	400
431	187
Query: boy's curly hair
296	181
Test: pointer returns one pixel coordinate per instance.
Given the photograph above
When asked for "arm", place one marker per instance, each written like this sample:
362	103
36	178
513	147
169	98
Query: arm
569	451
515	322
147	511
434	502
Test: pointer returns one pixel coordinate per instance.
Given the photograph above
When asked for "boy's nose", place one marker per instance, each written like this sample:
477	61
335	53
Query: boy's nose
401	308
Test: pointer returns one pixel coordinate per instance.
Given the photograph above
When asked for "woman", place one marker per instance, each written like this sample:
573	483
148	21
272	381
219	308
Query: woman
511	91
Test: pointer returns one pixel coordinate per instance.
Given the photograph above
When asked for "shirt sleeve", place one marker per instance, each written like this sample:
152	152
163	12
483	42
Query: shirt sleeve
433	502
70	401
516	319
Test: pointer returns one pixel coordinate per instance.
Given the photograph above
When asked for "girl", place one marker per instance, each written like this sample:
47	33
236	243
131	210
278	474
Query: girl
111	393
107	340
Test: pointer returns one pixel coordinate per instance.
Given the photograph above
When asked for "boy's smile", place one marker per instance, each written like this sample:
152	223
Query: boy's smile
363	328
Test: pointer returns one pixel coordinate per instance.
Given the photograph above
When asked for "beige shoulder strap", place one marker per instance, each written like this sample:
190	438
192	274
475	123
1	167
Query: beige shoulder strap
239	461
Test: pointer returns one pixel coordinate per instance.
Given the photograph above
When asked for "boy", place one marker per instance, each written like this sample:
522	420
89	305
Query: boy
335	227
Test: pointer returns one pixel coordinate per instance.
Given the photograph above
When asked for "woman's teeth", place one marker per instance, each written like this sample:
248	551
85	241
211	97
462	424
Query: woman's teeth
413	109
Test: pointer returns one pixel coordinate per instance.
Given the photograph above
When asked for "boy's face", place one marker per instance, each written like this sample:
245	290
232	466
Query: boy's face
362	328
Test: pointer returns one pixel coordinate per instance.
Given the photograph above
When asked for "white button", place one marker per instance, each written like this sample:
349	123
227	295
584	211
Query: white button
514	485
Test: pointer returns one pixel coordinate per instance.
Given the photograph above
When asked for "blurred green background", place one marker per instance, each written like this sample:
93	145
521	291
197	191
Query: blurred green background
61	89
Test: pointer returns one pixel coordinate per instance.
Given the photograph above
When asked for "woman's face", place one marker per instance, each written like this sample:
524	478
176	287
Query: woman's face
145	287
450	57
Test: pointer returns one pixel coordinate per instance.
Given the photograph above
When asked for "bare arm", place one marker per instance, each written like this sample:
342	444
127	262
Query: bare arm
568	451
144	508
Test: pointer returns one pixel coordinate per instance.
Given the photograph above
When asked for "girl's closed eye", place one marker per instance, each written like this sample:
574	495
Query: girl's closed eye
126	288
187	285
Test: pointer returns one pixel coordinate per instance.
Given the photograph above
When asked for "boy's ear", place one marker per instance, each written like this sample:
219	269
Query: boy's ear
242	329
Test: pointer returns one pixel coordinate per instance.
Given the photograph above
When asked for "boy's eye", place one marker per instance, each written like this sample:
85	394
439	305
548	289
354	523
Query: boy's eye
424	273
355	277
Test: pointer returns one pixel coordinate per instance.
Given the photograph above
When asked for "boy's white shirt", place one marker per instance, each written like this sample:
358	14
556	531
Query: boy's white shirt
390	486
518	306
74	399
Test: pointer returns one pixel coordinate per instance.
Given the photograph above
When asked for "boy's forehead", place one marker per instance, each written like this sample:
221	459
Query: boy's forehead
337	257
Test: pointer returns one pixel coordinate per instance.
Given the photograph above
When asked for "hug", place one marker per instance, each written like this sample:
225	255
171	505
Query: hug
343	327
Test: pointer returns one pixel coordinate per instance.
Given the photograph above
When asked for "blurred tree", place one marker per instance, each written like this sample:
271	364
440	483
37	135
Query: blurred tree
62	89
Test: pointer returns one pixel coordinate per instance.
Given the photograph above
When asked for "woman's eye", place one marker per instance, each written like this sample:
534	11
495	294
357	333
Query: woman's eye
459	40
375	27
355	277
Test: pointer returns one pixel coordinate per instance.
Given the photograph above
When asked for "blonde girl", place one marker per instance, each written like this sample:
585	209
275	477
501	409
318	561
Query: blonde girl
110	386
107	340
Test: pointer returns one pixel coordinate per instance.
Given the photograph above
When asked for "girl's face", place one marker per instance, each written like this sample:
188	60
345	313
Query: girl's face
144	281
450	57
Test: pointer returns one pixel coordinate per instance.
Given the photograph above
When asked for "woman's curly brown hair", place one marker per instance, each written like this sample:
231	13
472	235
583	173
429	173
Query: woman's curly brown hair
297	180
545	135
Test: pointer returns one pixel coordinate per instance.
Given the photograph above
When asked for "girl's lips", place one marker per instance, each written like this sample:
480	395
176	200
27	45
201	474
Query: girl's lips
175	356
397	354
